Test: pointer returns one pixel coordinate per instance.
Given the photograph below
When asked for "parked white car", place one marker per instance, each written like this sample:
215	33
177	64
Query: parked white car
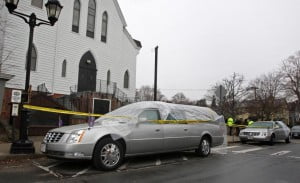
296	131
138	129
266	131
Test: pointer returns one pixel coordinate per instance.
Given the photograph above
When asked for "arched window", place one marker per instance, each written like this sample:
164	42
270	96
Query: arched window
104	27
33	59
91	19
64	69
126	79
76	16
108	77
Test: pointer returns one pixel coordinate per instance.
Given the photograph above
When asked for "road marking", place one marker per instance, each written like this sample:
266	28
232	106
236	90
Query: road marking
184	158
81	172
158	162
280	153
294	157
247	150
47	169
222	148
55	164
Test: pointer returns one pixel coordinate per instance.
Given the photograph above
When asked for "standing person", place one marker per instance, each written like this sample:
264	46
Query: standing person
250	122
237	128
230	124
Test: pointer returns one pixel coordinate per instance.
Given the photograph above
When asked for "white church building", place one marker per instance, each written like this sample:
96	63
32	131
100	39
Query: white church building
88	46
86	58
89	42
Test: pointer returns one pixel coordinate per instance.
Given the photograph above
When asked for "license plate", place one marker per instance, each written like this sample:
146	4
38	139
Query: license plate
43	148
296	134
250	137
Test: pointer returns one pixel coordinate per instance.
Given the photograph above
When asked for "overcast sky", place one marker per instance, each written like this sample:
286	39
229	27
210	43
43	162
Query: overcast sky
202	42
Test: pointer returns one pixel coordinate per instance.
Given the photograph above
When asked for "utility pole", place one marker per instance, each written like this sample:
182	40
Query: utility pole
155	74
233	105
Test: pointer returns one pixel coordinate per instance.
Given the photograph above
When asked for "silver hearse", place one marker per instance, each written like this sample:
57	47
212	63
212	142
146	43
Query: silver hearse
138	129
266	131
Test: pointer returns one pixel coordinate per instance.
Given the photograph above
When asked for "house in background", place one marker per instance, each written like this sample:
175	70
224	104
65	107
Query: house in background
87	57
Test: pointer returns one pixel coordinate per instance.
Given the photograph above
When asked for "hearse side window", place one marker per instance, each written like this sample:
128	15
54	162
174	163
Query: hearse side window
170	117
150	114
178	114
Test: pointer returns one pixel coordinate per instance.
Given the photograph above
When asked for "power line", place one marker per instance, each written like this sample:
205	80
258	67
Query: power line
185	89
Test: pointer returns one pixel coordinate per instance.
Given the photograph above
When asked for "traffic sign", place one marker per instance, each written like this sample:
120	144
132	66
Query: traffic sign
16	96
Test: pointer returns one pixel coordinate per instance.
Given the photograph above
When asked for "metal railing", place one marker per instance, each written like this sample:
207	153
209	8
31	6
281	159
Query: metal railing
106	87
42	88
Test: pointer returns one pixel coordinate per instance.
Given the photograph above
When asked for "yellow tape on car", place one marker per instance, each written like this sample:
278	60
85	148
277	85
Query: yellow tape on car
236	125
60	111
179	121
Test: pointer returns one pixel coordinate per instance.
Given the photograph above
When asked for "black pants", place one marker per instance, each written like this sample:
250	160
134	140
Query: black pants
230	130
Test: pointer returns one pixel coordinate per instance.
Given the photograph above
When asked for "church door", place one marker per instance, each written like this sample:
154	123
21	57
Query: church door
87	73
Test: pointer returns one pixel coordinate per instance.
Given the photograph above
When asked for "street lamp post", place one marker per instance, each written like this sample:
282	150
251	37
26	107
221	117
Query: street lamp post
53	7
155	74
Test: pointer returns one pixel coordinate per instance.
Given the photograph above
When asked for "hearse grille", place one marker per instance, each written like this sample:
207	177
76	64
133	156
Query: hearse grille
53	137
252	133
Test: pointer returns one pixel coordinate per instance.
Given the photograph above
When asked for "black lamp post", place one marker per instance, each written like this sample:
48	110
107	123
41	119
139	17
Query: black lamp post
23	145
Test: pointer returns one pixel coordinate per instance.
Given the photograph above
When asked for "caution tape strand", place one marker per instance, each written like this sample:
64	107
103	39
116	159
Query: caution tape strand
61	111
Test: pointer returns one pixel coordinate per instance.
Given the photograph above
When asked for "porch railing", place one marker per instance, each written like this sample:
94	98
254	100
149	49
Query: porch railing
106	87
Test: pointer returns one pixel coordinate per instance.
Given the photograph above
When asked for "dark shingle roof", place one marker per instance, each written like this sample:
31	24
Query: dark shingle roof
138	43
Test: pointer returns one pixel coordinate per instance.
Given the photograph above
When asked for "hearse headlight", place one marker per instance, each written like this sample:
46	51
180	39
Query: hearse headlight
76	136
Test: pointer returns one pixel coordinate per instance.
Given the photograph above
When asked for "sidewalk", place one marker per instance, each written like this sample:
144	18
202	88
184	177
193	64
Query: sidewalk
5	148
232	139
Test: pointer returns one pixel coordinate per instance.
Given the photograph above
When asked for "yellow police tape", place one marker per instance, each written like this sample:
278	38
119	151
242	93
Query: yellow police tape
60	111
236	125
180	121
244	126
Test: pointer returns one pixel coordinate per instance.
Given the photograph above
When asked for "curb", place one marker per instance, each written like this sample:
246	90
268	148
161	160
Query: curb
20	157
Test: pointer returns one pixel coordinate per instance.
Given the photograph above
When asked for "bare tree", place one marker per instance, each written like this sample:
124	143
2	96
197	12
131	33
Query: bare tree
291	72
146	93
180	98
229	105
268	96
202	103
214	103
235	91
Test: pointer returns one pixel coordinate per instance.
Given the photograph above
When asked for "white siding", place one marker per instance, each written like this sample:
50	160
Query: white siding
2	28
16	40
58	43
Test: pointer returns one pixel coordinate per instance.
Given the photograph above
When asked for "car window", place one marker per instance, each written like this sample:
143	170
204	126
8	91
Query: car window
261	124
279	124
178	114
296	127
150	114
171	117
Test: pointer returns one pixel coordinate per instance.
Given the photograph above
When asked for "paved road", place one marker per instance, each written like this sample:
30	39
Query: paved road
235	163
